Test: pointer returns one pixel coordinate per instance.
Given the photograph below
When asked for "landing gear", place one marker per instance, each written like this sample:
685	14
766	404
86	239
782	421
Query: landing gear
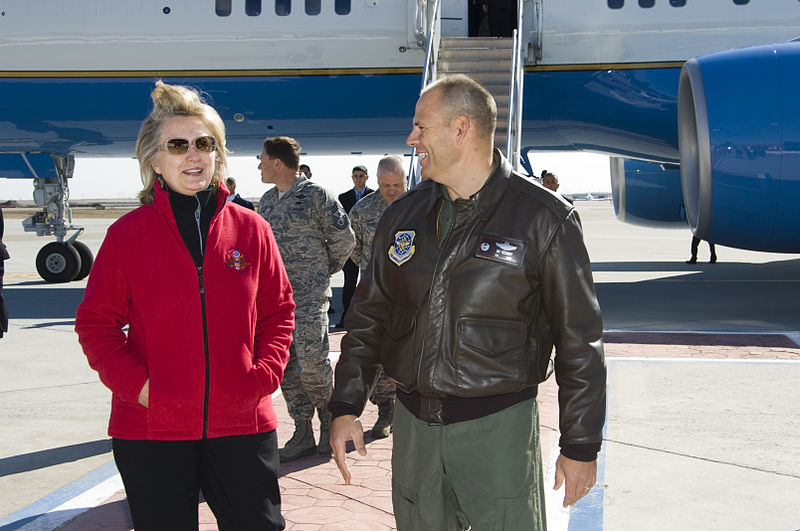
58	262
65	259
87	260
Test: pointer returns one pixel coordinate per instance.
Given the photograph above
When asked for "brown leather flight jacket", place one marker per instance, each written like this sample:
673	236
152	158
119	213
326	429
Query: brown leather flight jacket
478	315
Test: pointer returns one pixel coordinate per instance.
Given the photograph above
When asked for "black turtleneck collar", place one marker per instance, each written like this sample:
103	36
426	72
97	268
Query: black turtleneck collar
184	208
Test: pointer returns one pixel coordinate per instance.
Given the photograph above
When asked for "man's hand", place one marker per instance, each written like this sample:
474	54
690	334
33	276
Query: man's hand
579	478
144	394
343	429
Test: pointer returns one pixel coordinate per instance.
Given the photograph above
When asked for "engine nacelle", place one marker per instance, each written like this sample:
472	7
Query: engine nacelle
739	138
647	193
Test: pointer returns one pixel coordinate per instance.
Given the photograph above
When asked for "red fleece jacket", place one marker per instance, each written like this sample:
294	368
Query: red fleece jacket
144	278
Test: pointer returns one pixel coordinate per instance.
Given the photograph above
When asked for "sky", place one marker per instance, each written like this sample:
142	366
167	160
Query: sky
97	178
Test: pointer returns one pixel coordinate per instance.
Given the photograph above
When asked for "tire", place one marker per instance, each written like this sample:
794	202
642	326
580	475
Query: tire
87	259
58	262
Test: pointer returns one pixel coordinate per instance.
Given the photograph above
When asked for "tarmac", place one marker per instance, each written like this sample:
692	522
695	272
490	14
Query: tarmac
702	424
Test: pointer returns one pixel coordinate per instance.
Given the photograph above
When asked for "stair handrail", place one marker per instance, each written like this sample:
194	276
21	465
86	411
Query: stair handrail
514	129
428	74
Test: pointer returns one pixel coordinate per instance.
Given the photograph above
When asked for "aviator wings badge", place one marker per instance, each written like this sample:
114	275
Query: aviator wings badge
403	248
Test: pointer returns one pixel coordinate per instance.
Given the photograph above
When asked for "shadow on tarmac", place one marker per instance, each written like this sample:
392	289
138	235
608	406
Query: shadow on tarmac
37	303
53	456
789	269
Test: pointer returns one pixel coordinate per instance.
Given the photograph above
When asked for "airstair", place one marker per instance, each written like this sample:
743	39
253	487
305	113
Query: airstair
487	60
497	63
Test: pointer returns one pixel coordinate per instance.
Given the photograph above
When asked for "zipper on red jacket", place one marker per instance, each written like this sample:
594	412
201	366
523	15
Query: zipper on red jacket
205	348
205	324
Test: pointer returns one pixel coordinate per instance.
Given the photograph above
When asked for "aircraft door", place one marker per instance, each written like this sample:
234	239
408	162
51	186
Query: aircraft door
455	18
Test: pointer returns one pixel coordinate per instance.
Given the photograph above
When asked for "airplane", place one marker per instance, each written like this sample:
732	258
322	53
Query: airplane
693	100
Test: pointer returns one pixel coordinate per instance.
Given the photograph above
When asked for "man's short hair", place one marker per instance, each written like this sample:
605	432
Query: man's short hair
391	163
461	95
360	168
306	166
285	149
230	181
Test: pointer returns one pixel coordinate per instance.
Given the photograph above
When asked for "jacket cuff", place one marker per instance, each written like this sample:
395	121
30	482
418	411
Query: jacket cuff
340	409
581	452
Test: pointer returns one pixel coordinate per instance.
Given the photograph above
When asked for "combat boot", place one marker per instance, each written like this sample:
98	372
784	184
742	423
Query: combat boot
383	426
324	447
301	444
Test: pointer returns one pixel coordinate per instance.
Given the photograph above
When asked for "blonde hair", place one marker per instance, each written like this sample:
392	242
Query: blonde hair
170	101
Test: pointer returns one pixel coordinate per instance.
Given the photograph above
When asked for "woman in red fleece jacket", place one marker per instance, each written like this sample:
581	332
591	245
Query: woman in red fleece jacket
200	284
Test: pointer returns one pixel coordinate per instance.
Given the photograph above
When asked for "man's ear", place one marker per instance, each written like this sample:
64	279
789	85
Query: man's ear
462	126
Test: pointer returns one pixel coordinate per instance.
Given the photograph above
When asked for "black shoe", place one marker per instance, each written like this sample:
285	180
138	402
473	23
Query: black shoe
691	261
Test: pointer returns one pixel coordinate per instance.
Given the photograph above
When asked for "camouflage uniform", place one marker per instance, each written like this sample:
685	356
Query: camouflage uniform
315	240
364	217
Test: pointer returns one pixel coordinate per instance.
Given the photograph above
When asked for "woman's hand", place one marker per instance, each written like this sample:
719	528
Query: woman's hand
144	394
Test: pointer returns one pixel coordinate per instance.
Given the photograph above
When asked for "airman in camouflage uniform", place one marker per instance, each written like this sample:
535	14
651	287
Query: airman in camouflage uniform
364	217
315	239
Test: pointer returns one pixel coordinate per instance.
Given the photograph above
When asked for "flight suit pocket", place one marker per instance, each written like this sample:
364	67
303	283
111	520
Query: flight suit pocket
405	503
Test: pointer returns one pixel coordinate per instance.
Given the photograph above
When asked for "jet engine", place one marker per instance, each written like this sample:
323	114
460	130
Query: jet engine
739	139
647	193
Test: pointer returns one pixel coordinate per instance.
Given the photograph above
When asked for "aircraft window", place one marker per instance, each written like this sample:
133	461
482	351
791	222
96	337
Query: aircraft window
283	7
677	3
741	2
647	3
616	4
313	7
223	8
252	8
342	7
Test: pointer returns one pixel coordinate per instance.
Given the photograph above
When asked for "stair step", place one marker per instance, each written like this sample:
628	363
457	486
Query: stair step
485	78
473	65
481	54
477	42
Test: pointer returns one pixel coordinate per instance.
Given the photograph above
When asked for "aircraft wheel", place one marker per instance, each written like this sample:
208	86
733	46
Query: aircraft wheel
58	262
86	259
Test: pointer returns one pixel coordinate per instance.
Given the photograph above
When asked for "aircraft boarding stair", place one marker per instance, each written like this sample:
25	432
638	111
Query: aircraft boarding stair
487	60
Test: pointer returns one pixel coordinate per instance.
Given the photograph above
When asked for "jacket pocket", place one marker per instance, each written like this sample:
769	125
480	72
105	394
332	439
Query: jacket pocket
490	356
397	344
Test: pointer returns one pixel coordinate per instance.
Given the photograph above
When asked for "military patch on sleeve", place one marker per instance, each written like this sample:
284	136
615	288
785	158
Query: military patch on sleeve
236	260
338	216
403	248
503	250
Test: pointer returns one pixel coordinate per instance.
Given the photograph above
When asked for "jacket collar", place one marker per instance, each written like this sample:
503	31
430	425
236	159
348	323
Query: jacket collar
162	204
487	198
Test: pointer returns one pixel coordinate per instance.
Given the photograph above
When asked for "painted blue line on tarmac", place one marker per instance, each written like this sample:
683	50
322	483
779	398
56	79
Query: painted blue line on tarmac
587	514
33	511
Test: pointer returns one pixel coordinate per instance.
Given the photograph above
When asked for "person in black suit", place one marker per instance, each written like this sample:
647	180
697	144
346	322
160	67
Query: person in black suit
230	184
348	199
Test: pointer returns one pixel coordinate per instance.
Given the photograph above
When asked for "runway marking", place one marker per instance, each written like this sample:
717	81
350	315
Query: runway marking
702	360
67	502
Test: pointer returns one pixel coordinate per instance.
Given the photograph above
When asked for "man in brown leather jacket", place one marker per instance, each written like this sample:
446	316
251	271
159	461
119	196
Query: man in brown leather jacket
475	275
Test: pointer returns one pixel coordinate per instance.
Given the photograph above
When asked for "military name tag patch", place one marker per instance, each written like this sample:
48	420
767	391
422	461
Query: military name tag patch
503	250
236	260
403	248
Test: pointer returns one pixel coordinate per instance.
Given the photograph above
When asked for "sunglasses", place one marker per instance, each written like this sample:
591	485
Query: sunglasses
180	146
